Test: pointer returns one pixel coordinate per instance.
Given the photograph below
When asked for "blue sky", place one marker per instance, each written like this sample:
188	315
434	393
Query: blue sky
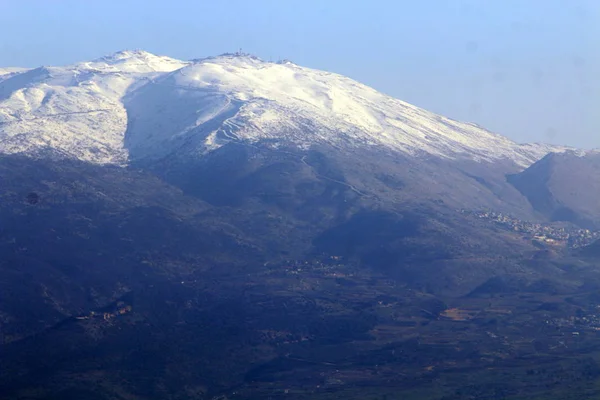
527	69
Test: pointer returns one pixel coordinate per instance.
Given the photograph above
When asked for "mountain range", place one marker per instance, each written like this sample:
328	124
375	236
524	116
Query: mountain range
196	192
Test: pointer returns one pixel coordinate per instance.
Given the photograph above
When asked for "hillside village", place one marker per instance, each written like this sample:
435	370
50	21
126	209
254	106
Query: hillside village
571	237
121	309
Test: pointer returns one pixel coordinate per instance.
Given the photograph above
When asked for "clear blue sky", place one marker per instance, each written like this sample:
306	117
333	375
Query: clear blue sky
525	68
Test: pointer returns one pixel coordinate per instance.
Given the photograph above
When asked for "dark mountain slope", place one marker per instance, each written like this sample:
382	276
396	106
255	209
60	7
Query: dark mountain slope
276	272
75	237
563	187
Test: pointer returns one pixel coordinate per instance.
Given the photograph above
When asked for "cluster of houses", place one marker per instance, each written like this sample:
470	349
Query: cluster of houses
331	266
548	233
121	309
589	321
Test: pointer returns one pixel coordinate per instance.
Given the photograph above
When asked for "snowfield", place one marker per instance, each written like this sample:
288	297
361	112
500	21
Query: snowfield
136	105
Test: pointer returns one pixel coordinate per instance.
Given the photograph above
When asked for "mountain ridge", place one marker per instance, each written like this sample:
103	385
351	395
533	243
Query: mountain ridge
90	111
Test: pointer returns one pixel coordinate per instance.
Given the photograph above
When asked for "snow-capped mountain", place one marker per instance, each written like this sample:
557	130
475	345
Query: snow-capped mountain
76	110
136	105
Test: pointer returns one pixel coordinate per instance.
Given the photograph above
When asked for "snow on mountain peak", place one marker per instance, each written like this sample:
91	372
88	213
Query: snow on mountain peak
286	102
133	104
134	61
77	109
127	54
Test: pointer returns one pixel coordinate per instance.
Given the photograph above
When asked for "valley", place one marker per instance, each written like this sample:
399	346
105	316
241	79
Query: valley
326	329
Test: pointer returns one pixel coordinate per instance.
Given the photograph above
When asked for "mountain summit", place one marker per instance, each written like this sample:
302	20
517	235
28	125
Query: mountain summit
134	105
